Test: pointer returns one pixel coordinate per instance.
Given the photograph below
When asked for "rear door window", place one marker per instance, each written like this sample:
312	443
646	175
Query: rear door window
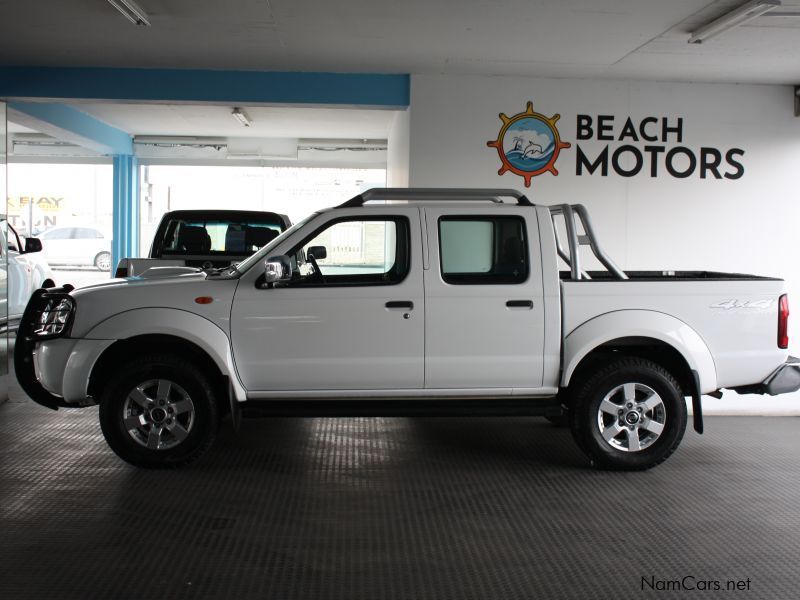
483	250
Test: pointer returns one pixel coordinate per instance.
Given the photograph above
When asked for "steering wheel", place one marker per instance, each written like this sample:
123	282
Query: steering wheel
318	276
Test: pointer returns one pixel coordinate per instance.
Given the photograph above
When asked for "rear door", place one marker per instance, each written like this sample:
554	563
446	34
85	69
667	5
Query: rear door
484	309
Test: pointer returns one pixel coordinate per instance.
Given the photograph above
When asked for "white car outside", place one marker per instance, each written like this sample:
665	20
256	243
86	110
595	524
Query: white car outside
78	246
26	272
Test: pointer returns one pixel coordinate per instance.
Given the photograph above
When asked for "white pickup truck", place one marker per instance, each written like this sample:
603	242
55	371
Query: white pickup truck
428	302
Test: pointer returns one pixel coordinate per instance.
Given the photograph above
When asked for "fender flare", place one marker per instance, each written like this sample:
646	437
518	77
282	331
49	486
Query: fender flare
640	323
178	323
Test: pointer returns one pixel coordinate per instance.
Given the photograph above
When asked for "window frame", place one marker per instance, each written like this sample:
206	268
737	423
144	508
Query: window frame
406	238
480	278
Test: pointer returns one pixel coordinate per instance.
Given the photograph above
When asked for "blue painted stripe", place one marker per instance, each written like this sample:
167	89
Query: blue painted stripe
109	139
226	87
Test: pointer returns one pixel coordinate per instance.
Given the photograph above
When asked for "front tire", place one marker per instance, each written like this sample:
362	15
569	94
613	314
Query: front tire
159	412
628	415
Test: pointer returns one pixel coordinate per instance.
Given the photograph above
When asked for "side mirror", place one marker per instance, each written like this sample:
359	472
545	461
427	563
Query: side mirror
277	268
318	252
32	245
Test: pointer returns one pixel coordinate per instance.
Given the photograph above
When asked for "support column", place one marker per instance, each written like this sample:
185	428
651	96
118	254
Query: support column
126	209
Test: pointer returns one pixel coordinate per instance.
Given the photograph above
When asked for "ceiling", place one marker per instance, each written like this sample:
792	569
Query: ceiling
313	136
636	39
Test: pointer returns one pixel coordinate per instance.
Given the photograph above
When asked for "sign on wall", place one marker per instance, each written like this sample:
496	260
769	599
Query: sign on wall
42	211
529	145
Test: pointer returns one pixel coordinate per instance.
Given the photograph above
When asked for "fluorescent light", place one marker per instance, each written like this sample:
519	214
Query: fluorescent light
739	16
240	116
217	143
131	11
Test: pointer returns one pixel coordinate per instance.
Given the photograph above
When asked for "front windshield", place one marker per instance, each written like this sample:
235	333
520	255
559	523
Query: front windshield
261	254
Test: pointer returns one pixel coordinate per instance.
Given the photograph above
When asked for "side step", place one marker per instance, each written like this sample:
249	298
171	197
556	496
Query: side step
401	408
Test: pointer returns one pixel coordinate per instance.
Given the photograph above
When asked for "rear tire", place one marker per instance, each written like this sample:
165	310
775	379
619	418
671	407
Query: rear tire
103	261
159	411
628	415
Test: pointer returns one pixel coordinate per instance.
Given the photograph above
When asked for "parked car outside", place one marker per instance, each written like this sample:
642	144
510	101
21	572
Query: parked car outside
78	246
27	271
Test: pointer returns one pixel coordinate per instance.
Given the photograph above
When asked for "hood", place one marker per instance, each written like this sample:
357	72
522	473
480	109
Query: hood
95	303
178	277
169	271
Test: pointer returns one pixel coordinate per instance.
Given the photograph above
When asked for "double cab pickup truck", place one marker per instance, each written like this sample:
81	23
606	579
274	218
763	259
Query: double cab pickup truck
411	302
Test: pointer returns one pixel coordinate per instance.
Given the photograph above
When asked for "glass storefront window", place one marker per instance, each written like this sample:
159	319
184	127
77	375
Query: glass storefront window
296	192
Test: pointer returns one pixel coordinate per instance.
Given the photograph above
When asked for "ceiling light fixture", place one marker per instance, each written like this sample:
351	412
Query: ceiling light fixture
217	143
131	11
240	116
738	16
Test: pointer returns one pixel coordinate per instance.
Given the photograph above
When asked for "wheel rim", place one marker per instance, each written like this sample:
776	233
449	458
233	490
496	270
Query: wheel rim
103	262
631	417
158	414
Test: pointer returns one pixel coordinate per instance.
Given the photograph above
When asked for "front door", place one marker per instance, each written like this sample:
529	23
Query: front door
352	318
484	299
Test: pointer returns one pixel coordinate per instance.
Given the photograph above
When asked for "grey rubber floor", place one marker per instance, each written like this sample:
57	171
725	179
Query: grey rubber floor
394	508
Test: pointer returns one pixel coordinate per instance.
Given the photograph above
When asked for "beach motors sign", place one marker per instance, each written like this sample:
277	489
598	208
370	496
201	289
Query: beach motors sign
529	144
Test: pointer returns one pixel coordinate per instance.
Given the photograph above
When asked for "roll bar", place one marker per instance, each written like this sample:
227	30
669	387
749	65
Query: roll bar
573	259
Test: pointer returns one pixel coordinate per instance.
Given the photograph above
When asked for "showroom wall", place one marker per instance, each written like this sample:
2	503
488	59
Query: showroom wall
704	176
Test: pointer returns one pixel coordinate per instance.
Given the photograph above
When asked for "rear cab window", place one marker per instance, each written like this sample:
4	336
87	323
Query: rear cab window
217	237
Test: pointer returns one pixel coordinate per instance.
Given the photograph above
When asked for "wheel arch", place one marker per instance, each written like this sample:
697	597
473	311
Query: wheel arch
176	326
647	334
122	350
651	349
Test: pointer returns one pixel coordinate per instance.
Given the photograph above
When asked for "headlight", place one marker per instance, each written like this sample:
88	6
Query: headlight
54	318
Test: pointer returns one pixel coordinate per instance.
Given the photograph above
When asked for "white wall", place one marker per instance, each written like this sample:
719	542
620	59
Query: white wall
751	224
397	155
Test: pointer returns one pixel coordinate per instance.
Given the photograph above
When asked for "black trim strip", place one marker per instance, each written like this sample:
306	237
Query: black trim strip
422	407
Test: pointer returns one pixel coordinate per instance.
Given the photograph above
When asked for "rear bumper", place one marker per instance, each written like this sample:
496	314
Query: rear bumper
783	380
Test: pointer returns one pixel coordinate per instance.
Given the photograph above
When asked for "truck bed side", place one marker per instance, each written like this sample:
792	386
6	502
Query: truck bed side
736	316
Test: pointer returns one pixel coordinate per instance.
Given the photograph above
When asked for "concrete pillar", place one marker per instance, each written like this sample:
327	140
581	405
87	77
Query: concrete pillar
126	209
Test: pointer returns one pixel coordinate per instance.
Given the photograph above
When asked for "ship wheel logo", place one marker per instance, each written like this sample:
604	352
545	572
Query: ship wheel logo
528	144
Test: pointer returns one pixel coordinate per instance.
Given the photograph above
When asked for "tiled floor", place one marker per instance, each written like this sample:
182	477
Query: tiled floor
373	508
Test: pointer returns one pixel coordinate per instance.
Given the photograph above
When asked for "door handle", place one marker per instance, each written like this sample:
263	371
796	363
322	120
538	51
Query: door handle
520	304
400	305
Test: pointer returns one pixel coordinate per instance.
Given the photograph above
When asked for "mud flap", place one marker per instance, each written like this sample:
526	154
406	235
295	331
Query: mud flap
236	411
697	406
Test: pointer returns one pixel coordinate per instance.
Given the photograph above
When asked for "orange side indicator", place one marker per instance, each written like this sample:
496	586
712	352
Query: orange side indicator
204	299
